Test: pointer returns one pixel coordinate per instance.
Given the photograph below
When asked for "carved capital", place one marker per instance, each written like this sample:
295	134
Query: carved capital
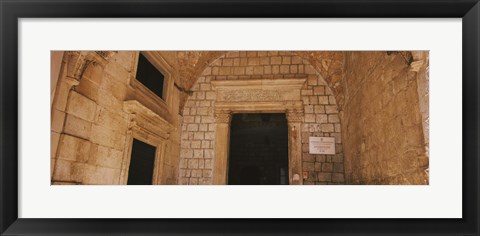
294	116
78	61
223	117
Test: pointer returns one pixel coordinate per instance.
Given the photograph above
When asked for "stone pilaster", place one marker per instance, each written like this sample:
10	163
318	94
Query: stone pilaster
295	119
222	140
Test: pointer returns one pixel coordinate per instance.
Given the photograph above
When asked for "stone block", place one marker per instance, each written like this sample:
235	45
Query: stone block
192	127
63	171
337	158
333	119
209	153
205	181
338	178
267	70
203	127
205	144
58	119
308	109
201	164
324	177
327	128
224	70
193	163
236	62
195	144
197	173
319	109
275	70
208	164
307	157
321	118
327	167
293	69
198	135
183	163
227	62
81	106
323	100
308	166
186	153
54	142
337	136
318	166
319	90
77	127
338	167
108	157
331	109
198	153
320	158
338	129
284	69
297	60
276	60
253	61
239	70
211	95
309	118
207	173
184	181
199	96
73	149
306	92
258	70
107	137
209	135
205	87
193	181
264	60
331	100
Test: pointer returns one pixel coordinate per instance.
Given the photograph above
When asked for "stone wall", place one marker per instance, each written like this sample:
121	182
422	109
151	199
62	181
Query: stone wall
320	118
382	126
90	130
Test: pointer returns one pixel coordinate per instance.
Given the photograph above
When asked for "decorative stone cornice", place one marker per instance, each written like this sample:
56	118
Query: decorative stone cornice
143	118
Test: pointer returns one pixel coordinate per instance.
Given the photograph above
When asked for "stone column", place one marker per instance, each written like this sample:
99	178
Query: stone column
295	119
222	142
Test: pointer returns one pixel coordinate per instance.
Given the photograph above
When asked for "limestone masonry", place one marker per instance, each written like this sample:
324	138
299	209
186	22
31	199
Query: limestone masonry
375	105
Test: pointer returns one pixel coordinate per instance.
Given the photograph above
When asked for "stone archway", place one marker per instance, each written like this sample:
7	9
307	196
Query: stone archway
318	114
258	96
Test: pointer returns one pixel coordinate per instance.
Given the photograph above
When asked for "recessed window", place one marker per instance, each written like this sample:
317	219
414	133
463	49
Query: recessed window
150	76
141	163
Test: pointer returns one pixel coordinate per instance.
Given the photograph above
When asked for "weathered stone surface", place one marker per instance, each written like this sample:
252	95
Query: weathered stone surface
380	122
383	143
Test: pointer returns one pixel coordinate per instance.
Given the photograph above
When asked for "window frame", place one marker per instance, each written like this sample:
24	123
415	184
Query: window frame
142	91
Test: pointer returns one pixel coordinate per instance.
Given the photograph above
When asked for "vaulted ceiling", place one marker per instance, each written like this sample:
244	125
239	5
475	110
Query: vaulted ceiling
189	66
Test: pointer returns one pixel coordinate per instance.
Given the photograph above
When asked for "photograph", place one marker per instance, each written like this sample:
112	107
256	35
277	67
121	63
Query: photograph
239	117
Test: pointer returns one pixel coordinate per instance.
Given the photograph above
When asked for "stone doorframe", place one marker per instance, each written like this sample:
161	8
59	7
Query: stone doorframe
258	96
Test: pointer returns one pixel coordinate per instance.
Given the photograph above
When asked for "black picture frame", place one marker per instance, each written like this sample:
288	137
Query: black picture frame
12	10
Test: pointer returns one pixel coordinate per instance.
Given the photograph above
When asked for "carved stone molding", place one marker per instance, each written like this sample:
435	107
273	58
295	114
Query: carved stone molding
223	117
252	95
78	61
258	90
143	118
294	116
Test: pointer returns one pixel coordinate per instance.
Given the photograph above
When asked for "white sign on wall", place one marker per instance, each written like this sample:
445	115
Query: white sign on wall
322	145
